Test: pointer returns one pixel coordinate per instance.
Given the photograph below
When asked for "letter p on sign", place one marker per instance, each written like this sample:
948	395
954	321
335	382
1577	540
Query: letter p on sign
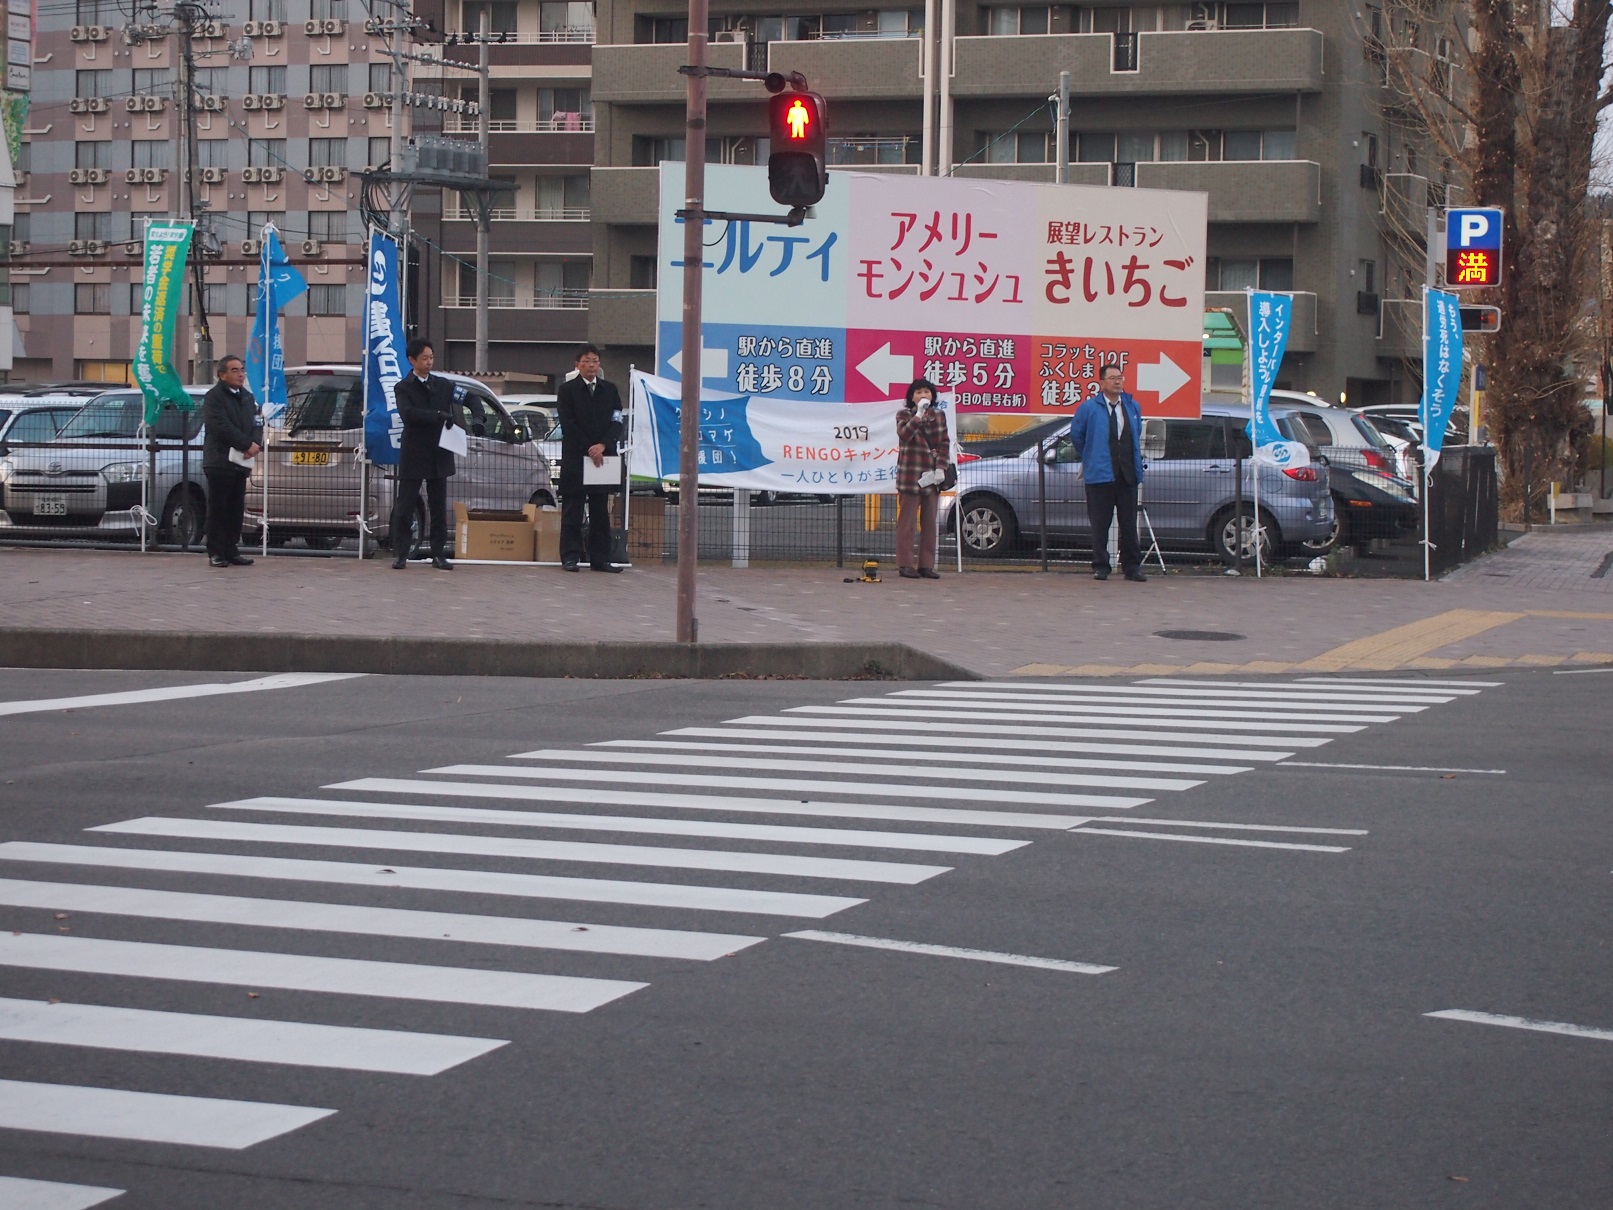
1473	248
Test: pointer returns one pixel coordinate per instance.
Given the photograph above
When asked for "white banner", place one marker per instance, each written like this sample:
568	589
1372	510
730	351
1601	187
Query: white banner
764	444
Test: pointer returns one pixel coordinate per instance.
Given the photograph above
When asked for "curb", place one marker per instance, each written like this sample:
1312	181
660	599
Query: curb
403	656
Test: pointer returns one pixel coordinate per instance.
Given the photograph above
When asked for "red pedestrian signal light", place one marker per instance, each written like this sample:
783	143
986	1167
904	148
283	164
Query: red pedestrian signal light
797	173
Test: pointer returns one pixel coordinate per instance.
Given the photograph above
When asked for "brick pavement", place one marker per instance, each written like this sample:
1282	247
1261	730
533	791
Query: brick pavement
1539	602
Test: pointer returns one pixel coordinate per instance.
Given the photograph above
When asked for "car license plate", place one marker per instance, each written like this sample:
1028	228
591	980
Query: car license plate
310	458
50	506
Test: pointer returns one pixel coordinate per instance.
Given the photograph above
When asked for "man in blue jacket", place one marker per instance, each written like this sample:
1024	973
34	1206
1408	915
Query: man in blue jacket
1107	429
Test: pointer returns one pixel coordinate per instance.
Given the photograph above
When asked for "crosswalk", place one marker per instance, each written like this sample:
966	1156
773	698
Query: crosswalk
807	813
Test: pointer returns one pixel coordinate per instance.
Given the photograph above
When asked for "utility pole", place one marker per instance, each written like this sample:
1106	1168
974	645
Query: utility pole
1062	156
483	213
185	102
694	227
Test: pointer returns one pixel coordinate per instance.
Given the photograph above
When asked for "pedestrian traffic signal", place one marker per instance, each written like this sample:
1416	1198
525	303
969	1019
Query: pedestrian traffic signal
797	174
1481	319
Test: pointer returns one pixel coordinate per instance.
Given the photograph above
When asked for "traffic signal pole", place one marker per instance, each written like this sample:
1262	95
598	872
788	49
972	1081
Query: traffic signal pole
694	228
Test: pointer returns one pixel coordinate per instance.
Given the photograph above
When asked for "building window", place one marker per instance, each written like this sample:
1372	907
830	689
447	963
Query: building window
573	21
213	80
1022	147
92	298
1249	273
267	80
1367	276
92	226
256	220
329	10
327	153
149	153
380	77
153	81
500	16
137	297
213	298
1261	16
96	12
212	153
380	152
641	272
564	108
266	10
1095	148
92	83
22	227
872	149
648	152
663	29
20	300
113	373
91	155
329	226
560	282
562	197
327	77
266	153
327	300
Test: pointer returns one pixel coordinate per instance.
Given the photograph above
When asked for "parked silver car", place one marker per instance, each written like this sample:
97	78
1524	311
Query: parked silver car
313	462
30	420
1189	491
92	479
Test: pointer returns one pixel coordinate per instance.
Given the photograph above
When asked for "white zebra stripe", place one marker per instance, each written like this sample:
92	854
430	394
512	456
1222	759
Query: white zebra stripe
799	731
975	729
960	719
20	1193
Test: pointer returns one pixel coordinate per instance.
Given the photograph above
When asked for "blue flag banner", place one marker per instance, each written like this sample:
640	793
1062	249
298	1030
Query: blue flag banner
383	352
278	284
1270	316
766	444
1442	368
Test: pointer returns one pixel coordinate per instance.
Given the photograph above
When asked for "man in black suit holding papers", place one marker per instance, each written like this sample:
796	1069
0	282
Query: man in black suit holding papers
426	406
234	436
590	432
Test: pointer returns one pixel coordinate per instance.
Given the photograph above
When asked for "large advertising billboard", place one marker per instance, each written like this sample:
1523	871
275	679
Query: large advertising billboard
1010	295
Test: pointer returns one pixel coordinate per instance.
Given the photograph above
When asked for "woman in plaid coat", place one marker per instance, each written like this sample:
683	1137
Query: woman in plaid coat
922	458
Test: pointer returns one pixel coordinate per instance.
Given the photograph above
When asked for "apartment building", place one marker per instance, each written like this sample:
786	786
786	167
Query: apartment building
282	136
1277	110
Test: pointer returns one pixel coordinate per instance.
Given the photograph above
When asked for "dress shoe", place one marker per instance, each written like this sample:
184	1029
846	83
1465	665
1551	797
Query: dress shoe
929	573
610	567
217	561
570	565
1136	577
240	561
907	573
441	563
1101	574
399	562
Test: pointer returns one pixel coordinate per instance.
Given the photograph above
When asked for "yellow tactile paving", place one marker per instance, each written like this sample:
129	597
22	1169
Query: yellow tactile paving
1393	648
1272	667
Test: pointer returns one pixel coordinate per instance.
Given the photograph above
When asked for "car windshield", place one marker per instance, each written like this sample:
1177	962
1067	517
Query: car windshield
1372	435
323	402
120	416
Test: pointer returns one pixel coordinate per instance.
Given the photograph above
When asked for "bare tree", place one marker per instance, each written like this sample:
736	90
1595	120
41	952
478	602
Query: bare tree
1515	109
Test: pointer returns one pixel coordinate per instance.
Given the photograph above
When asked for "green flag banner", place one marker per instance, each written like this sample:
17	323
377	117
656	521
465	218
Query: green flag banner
167	245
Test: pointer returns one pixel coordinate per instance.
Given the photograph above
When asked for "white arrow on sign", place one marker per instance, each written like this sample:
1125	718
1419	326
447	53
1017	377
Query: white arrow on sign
885	369
713	363
1164	378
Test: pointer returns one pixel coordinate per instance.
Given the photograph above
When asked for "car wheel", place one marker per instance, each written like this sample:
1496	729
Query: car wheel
1224	536
1321	546
184	517
826	498
760	498
322	541
988	526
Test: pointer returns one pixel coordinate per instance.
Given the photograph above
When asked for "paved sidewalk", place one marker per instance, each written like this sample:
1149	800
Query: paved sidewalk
1547	600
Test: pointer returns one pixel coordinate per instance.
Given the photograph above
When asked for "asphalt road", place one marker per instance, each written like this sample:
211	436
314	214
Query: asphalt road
1261	1041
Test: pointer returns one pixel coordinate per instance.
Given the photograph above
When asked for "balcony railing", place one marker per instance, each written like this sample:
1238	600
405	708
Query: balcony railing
540	300
569	33
561	123
522	214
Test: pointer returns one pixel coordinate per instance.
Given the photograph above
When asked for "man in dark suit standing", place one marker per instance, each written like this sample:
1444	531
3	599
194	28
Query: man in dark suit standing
590	429
1107	429
426	406
230	415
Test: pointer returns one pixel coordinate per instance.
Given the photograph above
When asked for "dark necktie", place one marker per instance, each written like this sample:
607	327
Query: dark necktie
1114	421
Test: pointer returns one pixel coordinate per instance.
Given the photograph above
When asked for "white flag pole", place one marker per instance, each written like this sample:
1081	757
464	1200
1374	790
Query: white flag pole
1423	409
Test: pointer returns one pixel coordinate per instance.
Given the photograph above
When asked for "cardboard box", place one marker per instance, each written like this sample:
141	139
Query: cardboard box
547	525
481	533
646	535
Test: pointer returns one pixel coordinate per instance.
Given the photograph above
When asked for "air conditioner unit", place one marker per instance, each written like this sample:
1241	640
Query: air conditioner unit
310	175
332	174
134	176
154	176
251	101
730	35
214	103
251	29
133	248
313	27
76	177
313	100
134	104
76	248
81	104
79	33
94	247
212	176
98	176
18	247
333	26
251	175
250	247
373	100
271	29
210	29
97	33
335	100
372	26
273	100
154	104
271	176
312	247
97	105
